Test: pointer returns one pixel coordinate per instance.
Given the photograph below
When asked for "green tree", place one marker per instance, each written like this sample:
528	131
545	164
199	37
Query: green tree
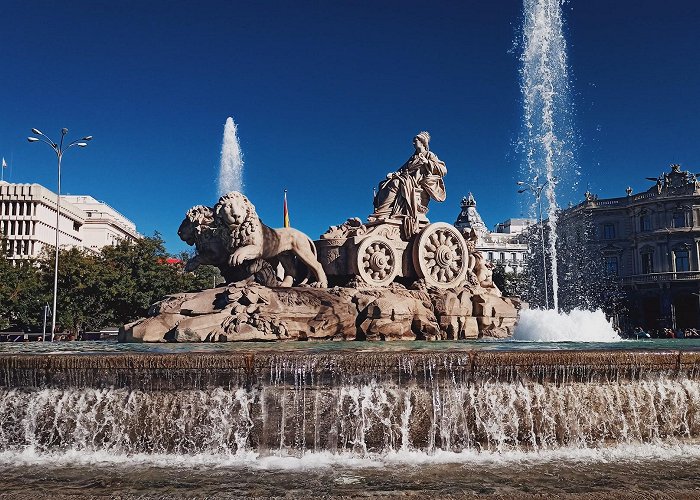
82	299
139	273
112	287
510	283
22	294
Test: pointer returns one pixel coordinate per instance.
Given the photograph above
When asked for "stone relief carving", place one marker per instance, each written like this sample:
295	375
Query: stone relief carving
480	270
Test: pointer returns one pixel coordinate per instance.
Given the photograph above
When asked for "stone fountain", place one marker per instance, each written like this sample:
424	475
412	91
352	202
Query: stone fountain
395	276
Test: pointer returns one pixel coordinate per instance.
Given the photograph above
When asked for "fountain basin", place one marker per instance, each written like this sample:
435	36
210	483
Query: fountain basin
348	398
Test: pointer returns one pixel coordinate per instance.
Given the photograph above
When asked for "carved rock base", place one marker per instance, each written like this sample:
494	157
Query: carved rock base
251	312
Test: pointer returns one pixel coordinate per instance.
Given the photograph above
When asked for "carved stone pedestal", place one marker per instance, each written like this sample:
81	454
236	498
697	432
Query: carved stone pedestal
251	312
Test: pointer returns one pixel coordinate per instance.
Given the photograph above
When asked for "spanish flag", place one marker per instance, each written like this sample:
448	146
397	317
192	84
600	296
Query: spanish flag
286	210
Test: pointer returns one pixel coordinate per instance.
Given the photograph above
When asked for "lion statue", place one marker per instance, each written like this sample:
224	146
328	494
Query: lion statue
246	238
199	229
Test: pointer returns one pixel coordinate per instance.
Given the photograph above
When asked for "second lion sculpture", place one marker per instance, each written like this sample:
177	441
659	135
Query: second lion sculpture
231	235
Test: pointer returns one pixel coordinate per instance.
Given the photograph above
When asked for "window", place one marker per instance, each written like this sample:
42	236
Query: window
682	260
644	222
513	257
678	219
491	256
608	231
502	257
611	266
647	263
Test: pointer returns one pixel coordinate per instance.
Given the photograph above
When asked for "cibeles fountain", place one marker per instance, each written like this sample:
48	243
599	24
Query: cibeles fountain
395	276
181	395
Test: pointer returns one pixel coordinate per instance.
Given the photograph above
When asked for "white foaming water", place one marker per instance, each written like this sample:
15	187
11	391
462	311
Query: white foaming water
231	166
536	325
547	107
324	459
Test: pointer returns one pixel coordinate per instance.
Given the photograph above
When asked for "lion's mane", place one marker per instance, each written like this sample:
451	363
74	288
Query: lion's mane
238	221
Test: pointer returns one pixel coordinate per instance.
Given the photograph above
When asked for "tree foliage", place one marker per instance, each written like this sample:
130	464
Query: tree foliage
95	290
510	283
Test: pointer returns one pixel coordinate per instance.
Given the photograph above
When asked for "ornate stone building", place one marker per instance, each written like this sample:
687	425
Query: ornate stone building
651	242
504	245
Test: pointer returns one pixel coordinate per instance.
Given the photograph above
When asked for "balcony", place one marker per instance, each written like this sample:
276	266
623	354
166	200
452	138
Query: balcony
660	277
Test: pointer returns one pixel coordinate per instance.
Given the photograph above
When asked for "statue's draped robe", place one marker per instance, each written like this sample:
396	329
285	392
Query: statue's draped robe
407	191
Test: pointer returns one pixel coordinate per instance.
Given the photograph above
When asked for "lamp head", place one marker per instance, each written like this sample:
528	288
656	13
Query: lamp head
520	183
87	138
521	191
64	131
32	139
82	144
36	131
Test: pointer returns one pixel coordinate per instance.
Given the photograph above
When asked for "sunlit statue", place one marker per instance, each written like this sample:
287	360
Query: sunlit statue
406	193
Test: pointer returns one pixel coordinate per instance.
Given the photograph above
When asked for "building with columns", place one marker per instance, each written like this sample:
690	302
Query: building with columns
504	245
650	241
28	221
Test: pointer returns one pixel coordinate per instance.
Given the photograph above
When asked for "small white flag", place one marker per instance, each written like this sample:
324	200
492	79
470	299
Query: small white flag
4	163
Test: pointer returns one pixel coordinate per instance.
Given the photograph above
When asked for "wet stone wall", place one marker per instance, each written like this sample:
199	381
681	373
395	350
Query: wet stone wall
359	402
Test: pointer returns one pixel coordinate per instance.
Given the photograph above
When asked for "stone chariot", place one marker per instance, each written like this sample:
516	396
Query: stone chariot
378	252
398	240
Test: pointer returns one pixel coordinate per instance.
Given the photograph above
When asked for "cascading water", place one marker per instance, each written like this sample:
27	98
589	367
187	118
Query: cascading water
547	132
244	404
231	166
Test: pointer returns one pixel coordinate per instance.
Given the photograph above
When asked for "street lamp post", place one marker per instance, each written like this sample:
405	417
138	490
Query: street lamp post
537	191
59	149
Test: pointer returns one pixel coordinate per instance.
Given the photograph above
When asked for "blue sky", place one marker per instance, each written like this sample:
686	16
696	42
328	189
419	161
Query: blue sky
327	97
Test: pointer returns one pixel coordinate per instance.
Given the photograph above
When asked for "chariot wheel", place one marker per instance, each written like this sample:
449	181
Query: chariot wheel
440	255
377	261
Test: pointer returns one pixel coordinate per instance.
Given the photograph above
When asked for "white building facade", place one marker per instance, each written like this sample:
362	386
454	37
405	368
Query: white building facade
28	221
505	245
103	225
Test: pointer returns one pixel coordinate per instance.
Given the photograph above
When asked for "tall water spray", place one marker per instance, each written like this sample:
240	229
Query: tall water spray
231	166
547	132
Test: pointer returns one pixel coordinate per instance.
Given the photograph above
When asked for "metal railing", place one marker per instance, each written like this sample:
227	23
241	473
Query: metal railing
661	277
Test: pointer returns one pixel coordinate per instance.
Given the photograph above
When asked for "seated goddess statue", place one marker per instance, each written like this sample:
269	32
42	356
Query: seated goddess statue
405	194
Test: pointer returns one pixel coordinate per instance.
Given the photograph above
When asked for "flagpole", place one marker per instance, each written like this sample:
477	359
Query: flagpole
286	211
